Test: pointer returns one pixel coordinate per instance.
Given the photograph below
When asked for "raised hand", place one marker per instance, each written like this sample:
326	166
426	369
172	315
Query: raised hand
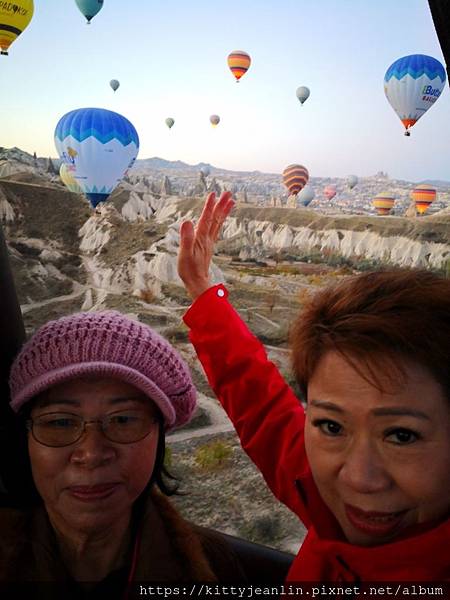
197	244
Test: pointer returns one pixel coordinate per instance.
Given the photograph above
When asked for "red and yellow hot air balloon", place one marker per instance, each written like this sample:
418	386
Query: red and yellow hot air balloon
239	62
423	195
14	18
383	203
295	177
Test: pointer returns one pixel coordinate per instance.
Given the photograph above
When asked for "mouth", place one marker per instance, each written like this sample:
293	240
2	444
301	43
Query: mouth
375	523
90	493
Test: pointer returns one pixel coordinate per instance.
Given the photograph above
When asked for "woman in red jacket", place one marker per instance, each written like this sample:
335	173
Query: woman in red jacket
366	466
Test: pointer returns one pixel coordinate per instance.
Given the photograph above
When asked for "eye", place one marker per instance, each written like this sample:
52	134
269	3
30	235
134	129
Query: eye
58	422
328	427
402	436
124	419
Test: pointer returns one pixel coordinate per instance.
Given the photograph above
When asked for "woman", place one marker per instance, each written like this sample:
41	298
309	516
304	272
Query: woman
367	466
96	392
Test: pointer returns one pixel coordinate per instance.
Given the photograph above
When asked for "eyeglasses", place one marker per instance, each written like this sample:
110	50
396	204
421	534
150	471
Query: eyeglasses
58	429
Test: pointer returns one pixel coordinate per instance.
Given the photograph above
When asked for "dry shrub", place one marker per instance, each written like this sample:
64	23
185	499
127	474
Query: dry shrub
213	455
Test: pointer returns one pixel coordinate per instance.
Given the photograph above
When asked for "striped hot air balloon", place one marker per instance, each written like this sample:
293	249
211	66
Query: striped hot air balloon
423	195
295	177
383	203
239	62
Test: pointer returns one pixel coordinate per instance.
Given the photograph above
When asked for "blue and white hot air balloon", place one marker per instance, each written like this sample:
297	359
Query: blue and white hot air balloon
100	145
306	196
412	85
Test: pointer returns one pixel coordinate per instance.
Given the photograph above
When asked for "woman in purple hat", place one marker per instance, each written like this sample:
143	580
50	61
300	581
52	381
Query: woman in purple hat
96	393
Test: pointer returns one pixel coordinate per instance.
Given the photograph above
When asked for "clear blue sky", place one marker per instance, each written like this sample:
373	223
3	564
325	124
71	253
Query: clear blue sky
170	57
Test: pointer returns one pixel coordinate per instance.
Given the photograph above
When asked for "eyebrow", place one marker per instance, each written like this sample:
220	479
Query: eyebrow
44	403
397	411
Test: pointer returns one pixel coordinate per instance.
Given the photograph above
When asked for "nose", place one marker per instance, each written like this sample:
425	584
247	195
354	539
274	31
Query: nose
363	469
93	449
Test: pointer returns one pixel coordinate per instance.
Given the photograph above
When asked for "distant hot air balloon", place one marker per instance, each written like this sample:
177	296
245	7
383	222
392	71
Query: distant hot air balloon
412	84
306	195
14	18
65	173
170	122
214	120
423	195
295	177
302	94
205	171
383	203
352	180
100	146
239	62
330	191
114	84
89	8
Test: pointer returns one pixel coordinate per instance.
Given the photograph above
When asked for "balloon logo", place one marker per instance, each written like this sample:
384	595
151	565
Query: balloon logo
89	8
170	122
239	62
302	94
412	85
214	120
100	146
330	192
295	177
14	18
66	176
352	181
423	195
383	203
306	196
114	84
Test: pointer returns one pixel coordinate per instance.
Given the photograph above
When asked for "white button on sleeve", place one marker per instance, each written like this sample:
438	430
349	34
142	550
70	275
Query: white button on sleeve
220	293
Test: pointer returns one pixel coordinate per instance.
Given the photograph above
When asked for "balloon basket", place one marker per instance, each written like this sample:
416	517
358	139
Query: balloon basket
4	53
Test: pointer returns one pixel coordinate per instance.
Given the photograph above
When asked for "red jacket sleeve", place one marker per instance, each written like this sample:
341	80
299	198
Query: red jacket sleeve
267	415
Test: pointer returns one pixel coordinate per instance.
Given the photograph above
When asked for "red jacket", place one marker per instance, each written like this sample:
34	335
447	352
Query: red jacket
269	420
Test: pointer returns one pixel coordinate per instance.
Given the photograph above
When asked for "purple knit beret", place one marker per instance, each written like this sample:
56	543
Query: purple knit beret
106	344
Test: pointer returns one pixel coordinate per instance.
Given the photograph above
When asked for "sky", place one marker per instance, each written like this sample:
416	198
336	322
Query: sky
170	58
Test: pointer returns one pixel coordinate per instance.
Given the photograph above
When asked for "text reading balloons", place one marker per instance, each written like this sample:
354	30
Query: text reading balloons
239	62
352	180
412	85
302	94
89	8
330	192
170	122
14	18
295	177
423	195
66	175
100	146
114	84
214	120
383	203
306	195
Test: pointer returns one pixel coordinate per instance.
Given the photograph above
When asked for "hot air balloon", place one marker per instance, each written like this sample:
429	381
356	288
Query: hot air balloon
214	120
423	195
100	146
66	175
306	195
239	62
412	84
14	18
383	203
89	8
352	180
330	191
302	94
114	84
169	122
295	177
205	171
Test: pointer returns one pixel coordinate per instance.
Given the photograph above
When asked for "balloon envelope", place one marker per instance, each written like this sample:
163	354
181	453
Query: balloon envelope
412	85
383	203
330	191
89	8
352	181
114	84
306	195
239	62
214	120
100	146
295	177
423	195
14	18
205	171
66	175
169	122
302	93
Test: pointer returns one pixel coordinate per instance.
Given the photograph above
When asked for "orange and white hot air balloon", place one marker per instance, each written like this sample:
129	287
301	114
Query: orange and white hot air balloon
295	177
383	203
423	195
239	62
